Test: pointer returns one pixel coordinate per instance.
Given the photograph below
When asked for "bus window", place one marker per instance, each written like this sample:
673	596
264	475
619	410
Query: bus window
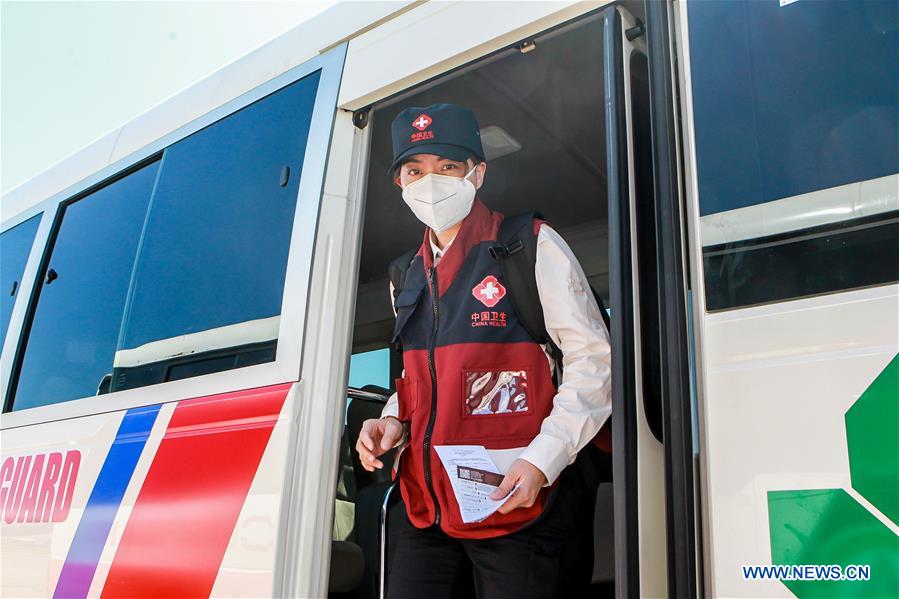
209	274
797	163
15	245
370	368
82	290
176	270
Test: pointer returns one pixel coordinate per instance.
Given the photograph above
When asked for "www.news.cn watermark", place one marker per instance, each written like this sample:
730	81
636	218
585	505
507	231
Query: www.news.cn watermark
807	572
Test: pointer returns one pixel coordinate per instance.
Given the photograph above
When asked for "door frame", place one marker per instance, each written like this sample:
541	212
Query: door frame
673	285
625	385
621	299
671	303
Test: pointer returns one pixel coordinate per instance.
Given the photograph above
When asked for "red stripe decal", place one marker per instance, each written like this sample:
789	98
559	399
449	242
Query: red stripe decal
187	508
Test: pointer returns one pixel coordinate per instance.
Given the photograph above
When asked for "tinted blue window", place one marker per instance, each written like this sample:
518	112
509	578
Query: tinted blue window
82	293
15	246
370	368
792	99
178	269
214	250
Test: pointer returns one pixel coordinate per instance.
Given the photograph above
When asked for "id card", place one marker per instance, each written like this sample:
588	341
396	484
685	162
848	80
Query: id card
484	477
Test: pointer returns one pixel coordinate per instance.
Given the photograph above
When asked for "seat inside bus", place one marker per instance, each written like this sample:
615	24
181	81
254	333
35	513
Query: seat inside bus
541	113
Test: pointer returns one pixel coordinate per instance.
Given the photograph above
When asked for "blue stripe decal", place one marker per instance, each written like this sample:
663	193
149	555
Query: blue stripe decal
103	503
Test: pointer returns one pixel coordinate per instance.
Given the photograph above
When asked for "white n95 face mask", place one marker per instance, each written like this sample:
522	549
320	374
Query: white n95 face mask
440	201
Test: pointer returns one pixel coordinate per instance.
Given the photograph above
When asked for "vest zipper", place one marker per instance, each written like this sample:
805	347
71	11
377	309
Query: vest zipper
432	284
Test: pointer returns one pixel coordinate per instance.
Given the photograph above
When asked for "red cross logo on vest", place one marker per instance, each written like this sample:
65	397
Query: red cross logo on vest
422	122
489	291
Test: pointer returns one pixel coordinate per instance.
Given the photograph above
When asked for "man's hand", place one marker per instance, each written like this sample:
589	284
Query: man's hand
378	436
531	479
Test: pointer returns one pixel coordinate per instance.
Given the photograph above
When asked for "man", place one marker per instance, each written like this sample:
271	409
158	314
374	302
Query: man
474	376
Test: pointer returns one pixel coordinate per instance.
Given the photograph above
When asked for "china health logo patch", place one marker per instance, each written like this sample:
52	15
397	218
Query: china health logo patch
422	122
489	291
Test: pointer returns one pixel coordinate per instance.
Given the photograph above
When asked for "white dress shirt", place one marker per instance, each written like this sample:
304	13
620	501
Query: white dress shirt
583	400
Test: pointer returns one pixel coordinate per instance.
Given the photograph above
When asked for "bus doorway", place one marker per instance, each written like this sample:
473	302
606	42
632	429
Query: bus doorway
542	108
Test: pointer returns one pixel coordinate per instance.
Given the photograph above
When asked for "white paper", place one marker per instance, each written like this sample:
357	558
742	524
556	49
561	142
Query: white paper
473	498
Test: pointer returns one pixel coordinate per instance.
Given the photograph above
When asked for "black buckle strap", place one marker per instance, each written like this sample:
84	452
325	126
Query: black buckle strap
501	251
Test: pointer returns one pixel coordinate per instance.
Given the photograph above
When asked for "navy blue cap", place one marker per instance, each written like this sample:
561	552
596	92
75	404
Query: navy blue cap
447	130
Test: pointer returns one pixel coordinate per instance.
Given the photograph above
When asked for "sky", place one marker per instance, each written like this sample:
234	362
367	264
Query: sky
72	71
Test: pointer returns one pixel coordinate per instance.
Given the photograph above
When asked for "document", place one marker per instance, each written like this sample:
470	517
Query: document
474	477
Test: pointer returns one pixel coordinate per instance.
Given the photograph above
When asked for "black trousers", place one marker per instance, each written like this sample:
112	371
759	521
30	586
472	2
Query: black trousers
551	558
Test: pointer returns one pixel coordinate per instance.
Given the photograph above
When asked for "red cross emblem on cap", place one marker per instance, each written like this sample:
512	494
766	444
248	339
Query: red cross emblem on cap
489	291
422	122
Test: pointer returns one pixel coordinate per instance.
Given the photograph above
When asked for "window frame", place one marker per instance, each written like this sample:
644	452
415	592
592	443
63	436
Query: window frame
287	364
19	220
47	213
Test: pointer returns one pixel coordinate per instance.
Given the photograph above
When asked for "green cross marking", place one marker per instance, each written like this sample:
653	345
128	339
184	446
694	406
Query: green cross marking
828	526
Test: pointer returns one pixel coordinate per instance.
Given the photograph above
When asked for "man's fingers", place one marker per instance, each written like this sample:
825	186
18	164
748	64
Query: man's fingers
372	465
371	444
513	503
368	460
364	453
529	500
504	487
366	440
519	499
390	437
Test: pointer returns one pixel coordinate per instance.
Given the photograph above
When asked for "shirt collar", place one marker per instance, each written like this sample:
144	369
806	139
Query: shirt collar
436	251
480	225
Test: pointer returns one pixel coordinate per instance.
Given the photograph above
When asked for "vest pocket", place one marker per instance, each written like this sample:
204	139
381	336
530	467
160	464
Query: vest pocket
406	301
407	393
495	392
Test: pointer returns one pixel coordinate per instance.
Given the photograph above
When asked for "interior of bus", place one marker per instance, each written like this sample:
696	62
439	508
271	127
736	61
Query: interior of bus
540	106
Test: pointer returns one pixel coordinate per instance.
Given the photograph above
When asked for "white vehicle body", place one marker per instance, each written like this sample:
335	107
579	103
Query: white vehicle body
221	480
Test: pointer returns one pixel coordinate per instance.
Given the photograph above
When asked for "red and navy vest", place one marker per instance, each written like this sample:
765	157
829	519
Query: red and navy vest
473	374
